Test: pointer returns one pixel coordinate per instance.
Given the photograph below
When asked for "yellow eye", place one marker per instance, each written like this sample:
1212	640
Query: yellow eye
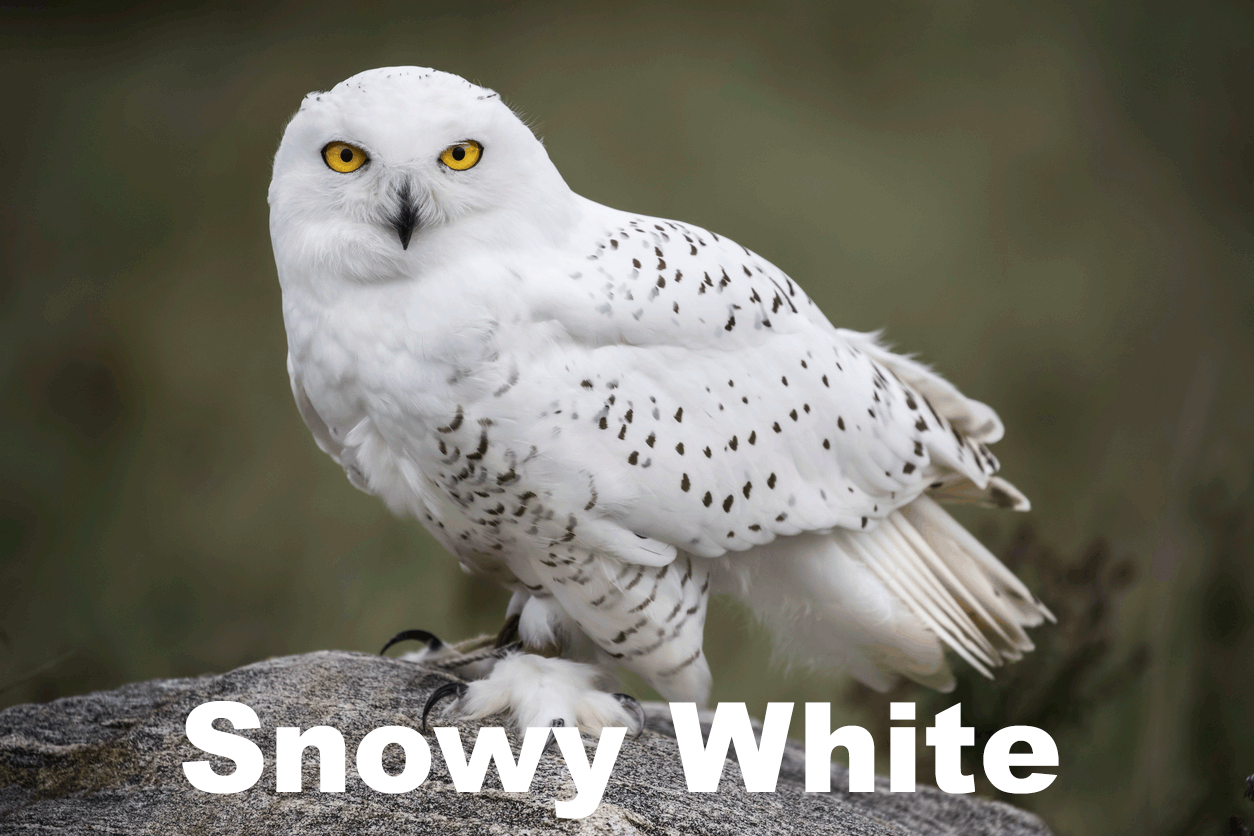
342	157
462	156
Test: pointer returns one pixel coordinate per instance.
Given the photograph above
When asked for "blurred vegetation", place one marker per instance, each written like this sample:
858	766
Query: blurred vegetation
1052	202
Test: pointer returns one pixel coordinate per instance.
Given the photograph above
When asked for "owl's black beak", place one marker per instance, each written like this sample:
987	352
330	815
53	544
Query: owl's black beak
405	219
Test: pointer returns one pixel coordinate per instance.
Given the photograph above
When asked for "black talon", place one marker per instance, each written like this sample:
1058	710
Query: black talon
633	704
548	744
458	688
432	642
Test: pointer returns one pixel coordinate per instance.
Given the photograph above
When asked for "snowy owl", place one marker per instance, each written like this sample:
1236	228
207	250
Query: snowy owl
616	416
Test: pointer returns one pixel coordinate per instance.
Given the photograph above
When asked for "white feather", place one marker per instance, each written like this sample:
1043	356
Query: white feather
909	585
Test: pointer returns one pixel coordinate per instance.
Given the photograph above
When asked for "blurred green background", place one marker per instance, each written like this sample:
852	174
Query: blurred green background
1052	202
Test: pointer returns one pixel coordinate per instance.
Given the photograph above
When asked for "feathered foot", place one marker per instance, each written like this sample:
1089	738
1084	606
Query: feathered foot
534	691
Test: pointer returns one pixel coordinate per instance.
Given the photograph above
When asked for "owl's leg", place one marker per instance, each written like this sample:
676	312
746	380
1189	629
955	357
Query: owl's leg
589	607
648	619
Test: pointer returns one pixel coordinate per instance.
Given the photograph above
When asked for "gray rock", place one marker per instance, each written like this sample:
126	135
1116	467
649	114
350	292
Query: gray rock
111	762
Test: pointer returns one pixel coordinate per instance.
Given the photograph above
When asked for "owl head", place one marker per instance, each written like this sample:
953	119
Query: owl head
398	169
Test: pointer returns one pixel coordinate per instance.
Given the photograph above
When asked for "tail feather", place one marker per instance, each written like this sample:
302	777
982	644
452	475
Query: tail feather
962	595
888	565
936	524
885	602
827	609
927	565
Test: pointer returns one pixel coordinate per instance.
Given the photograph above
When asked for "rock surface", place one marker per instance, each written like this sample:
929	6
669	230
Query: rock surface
111	762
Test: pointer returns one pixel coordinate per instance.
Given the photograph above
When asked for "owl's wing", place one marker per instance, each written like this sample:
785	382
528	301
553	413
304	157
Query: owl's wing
715	408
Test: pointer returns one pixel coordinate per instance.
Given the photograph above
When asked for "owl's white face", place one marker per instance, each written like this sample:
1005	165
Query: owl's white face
395	170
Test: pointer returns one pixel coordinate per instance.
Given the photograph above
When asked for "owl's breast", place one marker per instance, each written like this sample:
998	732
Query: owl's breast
414	385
